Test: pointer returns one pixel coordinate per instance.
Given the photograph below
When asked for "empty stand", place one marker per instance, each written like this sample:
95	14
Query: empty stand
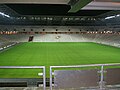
108	39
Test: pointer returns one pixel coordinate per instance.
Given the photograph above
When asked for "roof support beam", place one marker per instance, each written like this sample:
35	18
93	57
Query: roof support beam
36	1
78	5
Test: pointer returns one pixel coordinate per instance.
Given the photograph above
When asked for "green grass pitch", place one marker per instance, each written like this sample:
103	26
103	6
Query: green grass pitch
48	54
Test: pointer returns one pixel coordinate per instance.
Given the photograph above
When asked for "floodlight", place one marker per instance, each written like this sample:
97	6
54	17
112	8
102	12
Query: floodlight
3	14
110	17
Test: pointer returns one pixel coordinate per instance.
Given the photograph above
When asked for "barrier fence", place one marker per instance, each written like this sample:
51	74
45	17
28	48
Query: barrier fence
64	77
29	67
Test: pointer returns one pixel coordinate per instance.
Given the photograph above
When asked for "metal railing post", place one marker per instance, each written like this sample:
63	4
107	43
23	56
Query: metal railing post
102	78
44	78
50	78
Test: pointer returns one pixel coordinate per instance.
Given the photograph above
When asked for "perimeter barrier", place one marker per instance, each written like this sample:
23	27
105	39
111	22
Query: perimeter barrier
94	77
43	74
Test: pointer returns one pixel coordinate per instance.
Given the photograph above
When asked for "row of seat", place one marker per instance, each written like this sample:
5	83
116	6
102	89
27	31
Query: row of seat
110	39
5	43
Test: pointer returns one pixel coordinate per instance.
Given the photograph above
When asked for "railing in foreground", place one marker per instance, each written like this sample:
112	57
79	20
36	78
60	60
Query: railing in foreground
29	67
101	72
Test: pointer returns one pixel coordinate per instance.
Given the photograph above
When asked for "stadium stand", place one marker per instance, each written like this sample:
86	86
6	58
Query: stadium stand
16	38
108	39
5	43
58	38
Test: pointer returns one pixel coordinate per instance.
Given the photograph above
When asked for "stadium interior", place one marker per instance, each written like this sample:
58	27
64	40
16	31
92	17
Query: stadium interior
59	45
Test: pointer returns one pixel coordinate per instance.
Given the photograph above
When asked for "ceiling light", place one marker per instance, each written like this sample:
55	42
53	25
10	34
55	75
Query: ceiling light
118	15
110	17
4	14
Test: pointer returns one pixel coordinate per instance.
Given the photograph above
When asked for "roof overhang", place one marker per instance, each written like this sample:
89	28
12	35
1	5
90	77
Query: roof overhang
103	5
36	1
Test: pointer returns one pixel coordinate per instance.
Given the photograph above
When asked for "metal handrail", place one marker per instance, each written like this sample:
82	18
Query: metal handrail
89	65
29	67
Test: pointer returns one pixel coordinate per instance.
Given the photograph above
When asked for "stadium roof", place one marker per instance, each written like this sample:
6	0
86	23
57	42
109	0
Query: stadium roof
51	9
62	7
58	12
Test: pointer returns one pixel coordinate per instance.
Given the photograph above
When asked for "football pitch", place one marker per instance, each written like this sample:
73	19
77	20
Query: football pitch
54	54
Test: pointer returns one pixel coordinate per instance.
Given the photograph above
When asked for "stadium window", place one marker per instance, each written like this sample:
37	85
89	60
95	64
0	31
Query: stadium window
14	29
43	29
56	29
23	29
